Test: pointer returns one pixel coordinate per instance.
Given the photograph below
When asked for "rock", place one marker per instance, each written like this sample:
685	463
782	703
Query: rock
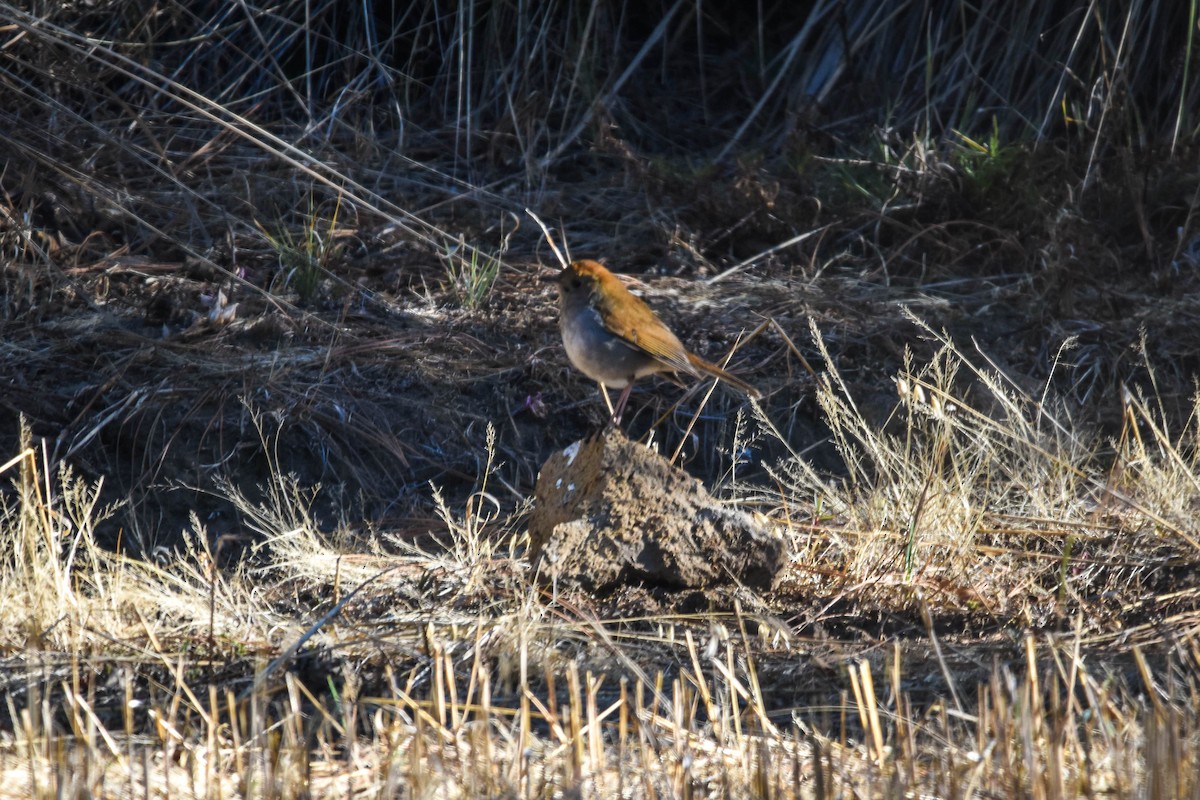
611	512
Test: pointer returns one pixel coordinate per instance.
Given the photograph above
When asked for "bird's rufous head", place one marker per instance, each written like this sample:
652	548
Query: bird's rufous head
583	277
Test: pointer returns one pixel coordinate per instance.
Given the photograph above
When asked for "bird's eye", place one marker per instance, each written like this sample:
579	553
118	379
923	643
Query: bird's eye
576	283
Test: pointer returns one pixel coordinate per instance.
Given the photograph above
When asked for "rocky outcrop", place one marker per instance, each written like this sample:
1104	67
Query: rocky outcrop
611	512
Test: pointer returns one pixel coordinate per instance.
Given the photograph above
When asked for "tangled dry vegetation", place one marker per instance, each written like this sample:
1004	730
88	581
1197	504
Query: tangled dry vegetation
279	369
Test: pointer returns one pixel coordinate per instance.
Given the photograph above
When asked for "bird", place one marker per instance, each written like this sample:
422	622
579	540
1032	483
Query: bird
614	338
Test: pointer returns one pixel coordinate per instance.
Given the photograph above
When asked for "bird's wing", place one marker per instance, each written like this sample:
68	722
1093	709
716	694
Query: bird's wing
640	328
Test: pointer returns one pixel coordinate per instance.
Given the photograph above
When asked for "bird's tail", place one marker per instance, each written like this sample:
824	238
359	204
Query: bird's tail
712	369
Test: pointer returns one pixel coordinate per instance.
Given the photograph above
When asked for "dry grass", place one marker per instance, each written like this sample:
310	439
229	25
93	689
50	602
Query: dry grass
325	666
277	372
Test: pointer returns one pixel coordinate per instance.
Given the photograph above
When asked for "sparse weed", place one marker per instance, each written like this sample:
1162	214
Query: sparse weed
989	167
305	257
866	181
470	274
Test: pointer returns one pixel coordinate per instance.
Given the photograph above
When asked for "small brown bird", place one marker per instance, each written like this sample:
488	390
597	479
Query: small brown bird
614	338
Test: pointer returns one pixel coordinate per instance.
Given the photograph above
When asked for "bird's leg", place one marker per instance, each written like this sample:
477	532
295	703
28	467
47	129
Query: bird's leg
607	399
621	401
